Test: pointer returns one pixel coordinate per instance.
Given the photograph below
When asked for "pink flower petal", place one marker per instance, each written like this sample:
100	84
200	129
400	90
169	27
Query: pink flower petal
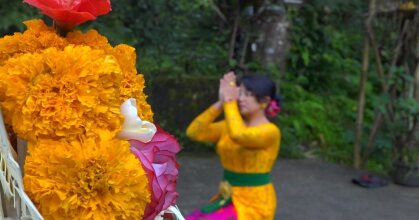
159	158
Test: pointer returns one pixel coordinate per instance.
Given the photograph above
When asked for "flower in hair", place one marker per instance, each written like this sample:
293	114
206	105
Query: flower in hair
273	109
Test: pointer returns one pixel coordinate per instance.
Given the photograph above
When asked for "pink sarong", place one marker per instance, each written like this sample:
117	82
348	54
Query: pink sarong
225	213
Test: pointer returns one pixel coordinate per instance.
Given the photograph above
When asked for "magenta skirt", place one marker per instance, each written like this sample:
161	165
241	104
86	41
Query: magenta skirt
225	213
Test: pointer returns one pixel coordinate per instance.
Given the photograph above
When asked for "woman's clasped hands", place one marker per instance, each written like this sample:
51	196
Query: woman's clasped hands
228	90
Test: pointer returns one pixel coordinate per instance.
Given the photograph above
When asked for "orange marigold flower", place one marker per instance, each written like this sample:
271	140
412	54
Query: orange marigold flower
91	38
132	84
63	94
91	179
38	37
66	87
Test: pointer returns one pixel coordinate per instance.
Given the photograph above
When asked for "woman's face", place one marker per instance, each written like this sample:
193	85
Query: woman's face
248	103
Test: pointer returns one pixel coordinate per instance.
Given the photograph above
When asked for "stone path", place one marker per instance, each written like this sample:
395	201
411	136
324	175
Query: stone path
306	190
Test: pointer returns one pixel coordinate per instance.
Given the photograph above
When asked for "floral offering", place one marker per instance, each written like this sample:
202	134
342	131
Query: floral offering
94	151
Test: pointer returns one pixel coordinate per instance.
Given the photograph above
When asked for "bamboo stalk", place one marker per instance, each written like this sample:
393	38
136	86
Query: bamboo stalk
234	33
361	106
362	83
217	10
385	87
378	60
373	134
244	50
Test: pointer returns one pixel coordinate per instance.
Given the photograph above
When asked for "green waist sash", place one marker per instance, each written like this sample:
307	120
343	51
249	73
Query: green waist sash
237	179
246	179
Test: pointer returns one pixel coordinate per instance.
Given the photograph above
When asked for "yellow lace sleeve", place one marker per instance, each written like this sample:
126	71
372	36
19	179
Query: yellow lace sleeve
250	137
203	128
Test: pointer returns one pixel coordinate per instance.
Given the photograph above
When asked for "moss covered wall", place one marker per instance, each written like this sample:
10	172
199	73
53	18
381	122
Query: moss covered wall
176	101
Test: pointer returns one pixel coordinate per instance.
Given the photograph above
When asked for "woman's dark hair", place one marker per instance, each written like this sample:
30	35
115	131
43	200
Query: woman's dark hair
260	86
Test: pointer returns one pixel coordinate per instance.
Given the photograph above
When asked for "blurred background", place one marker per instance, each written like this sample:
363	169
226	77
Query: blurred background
347	70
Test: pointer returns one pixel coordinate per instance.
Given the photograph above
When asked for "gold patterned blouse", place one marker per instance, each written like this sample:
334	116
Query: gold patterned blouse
242	149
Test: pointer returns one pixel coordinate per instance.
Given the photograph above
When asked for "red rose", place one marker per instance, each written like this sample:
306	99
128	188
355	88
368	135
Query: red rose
158	160
69	13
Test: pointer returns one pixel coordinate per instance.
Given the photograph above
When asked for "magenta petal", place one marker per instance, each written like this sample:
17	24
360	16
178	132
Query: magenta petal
158	158
159	169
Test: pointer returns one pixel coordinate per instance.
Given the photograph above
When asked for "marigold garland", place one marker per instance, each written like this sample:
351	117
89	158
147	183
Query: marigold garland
63	94
92	179
77	90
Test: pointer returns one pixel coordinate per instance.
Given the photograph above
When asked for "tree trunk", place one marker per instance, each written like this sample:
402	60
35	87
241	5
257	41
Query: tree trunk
271	32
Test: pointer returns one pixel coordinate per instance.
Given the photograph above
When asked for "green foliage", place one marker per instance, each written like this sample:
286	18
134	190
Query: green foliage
322	51
319	90
316	121
321	85
172	37
13	13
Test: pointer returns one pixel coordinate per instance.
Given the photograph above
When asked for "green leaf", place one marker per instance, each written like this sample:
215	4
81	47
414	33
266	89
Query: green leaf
306	57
